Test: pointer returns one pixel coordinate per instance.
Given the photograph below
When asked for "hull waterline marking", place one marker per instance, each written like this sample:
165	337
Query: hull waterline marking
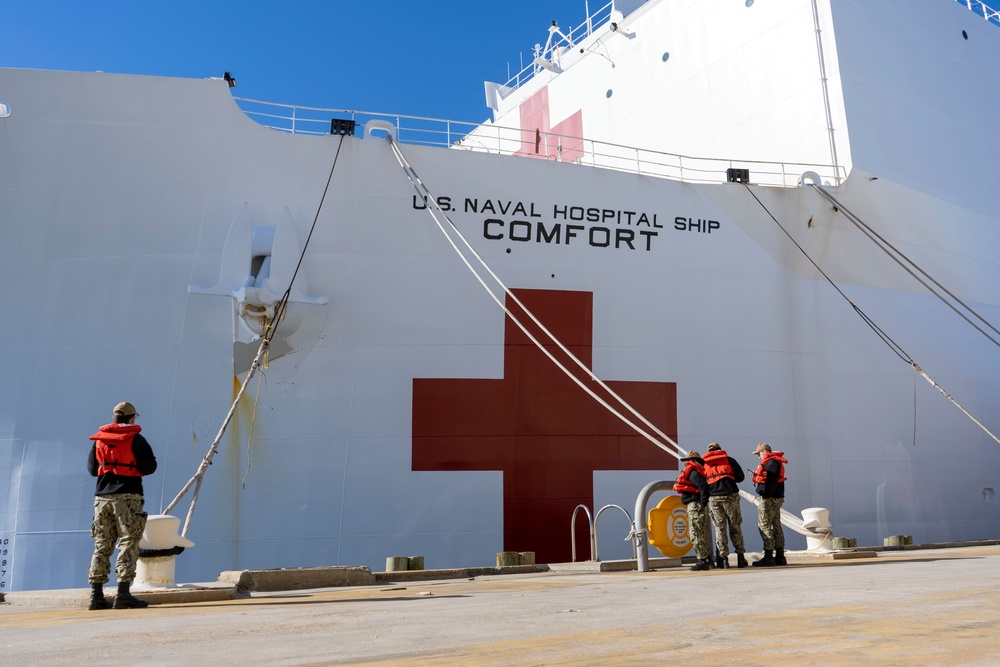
6	560
565	224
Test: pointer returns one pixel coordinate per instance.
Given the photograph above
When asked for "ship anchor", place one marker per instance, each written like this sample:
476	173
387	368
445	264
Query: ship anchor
258	265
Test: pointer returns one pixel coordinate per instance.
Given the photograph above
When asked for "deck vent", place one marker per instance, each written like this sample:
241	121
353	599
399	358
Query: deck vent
343	126
737	175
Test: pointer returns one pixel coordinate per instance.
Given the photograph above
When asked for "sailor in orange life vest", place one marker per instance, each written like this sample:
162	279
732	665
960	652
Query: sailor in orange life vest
770	481
723	473
119	458
694	494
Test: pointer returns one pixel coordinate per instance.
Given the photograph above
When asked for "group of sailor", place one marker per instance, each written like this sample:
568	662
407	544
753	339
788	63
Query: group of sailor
708	486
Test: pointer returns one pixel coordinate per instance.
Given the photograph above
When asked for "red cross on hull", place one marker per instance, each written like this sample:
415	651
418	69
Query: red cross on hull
539	428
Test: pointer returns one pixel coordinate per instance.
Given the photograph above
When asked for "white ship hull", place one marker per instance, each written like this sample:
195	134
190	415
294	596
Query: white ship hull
405	420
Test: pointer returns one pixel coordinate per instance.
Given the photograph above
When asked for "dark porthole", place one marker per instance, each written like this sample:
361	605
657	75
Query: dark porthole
609	93
666	56
965	35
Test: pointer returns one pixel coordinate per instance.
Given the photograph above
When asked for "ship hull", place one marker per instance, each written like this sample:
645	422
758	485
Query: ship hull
409	416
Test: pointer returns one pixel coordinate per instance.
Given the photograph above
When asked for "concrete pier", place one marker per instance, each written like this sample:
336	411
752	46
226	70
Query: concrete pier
897	607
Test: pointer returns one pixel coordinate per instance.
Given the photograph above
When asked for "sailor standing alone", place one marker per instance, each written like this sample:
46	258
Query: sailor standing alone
119	458
769	479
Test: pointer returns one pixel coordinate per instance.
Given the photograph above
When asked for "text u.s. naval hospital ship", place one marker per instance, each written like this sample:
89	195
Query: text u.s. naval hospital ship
750	221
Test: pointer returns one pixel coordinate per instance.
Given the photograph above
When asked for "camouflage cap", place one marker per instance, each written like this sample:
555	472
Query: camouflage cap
713	446
691	455
762	447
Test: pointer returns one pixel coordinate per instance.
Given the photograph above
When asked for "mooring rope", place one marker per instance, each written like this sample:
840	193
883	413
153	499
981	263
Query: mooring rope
269	332
895	347
906	263
787	518
434	210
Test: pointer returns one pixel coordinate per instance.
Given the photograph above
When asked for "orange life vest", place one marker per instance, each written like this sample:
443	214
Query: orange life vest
684	483
717	466
760	475
113	449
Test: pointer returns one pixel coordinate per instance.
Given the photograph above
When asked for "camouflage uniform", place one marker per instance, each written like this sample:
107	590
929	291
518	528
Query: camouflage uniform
698	518
117	518
769	523
726	510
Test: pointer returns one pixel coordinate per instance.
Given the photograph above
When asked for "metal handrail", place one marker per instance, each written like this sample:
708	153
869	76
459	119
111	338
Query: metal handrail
553	49
640	529
535	144
597	517
572	532
981	8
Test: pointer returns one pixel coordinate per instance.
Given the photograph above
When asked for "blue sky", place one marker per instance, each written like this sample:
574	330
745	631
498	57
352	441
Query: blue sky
416	58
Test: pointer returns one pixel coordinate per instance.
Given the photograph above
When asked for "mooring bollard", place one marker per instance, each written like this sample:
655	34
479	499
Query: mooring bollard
396	563
511	558
845	542
508	558
403	563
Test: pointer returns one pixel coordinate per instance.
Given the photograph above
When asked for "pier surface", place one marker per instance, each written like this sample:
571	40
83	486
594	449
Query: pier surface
923	607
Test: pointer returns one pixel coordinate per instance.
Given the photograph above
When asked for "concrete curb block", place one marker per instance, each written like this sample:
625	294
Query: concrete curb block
936	545
184	595
844	555
614	565
79	598
457	573
291	579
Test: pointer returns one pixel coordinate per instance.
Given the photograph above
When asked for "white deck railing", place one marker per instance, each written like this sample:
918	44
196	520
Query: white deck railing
568	39
532	144
981	8
544	145
559	42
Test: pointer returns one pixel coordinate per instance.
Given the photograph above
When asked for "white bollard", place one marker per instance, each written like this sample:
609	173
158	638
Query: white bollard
817	520
157	571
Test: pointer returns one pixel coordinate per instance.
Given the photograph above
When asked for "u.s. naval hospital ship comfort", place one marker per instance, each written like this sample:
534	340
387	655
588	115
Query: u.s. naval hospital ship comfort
751	221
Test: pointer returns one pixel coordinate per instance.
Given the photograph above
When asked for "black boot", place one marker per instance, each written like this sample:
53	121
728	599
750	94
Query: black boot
741	560
703	564
766	561
722	562
125	599
779	557
97	599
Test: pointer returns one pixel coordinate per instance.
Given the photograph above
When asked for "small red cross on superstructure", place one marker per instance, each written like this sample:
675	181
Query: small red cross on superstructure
541	139
539	428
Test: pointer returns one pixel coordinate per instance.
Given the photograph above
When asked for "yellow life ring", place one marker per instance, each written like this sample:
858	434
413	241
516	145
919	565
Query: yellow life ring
669	529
